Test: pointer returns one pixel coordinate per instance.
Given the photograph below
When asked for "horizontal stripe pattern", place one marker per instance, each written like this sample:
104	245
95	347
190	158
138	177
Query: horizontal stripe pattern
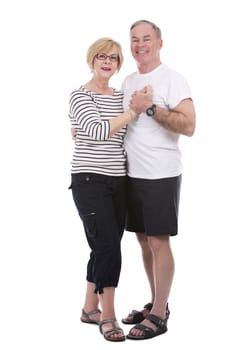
94	150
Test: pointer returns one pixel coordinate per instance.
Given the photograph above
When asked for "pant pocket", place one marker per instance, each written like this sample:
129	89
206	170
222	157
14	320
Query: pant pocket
89	223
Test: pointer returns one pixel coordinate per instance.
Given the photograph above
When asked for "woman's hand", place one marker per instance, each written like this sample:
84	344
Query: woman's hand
74	133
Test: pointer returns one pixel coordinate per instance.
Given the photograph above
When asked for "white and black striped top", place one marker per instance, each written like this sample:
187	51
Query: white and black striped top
95	151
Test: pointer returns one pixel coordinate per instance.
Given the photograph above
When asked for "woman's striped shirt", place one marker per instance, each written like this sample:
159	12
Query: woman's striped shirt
95	151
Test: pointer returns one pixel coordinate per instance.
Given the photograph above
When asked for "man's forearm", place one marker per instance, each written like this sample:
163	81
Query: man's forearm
174	121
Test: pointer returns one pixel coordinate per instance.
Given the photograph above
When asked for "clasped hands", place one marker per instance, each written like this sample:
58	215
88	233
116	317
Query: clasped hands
141	99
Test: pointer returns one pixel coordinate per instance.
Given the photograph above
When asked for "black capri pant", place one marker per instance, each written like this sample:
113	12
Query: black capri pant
101	204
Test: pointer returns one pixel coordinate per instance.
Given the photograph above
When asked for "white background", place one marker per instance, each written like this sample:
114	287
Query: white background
43	251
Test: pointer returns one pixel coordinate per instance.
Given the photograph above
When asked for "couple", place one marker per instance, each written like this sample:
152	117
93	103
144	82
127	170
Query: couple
126	174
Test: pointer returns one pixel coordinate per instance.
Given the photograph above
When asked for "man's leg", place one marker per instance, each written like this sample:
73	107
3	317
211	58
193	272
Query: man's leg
163	275
147	257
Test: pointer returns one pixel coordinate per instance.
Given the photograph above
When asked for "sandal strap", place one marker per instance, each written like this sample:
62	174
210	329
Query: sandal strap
133	312
112	321
90	313
93	312
148	306
114	330
167	312
159	322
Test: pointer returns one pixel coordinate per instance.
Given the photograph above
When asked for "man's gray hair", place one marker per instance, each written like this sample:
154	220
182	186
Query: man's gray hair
153	25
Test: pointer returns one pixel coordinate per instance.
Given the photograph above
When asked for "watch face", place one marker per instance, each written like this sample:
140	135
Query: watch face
150	112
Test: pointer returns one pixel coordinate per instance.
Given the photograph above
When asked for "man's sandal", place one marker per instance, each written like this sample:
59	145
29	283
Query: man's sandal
86	316
136	316
148	332
114	330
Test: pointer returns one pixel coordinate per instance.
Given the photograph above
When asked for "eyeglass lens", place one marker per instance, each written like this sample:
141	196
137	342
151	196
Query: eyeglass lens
103	56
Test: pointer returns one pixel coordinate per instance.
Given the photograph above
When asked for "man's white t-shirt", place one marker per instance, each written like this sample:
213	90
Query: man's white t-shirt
153	151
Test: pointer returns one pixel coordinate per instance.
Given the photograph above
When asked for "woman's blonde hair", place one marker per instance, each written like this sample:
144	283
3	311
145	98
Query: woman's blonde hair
104	45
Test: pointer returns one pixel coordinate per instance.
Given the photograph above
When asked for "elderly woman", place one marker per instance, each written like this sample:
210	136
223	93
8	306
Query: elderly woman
98	174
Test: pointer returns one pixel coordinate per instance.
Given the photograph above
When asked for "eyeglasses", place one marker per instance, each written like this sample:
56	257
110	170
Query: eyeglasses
103	57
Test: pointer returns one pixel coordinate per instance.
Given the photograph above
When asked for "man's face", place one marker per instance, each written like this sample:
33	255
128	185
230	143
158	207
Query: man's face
145	45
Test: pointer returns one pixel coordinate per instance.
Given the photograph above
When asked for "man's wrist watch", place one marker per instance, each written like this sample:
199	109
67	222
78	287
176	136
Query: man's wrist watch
151	110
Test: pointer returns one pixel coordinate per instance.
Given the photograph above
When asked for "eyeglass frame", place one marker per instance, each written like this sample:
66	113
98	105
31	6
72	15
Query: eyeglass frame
113	58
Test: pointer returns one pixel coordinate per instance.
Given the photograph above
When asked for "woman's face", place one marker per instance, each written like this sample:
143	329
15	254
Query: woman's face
106	63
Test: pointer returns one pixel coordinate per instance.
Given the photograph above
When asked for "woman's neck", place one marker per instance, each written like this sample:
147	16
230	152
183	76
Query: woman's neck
100	87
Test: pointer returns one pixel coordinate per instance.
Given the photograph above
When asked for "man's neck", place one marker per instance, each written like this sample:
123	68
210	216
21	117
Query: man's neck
147	68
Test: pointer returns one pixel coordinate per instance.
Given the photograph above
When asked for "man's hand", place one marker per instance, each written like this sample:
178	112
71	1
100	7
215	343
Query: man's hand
142	99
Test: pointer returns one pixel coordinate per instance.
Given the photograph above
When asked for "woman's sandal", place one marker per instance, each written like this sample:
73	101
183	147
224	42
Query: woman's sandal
148	332
136	316
114	330
86	316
